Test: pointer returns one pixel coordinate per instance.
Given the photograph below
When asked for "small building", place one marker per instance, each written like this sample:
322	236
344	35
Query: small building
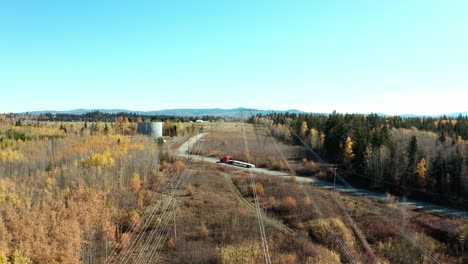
152	129
199	121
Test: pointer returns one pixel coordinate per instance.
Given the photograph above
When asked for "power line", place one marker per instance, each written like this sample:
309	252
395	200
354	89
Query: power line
414	243
337	239
266	252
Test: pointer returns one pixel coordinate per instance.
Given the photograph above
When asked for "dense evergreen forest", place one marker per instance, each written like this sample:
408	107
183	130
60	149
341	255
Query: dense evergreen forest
422	157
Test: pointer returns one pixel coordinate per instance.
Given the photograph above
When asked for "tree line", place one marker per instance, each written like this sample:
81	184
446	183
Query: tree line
424	156
97	116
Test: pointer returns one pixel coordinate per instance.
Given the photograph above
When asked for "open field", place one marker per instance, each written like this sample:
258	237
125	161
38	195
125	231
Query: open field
227	139
215	225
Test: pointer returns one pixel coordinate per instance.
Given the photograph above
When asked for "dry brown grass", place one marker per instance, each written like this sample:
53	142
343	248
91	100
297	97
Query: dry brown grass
382	232
227	139
215	226
318	229
326	256
246	252
232	226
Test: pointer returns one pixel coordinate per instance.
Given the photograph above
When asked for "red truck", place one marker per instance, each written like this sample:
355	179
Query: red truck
228	160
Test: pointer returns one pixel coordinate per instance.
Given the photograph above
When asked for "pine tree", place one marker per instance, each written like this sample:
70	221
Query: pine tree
412	150
335	131
362	146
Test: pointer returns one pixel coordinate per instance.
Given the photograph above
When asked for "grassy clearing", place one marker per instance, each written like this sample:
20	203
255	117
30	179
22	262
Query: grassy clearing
227	139
215	226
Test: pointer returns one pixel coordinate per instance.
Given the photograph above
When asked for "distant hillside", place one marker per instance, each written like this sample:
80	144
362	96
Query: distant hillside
190	112
457	114
235	112
453	115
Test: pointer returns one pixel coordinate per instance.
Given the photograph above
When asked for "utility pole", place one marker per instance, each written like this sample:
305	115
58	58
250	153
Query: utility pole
175	227
188	148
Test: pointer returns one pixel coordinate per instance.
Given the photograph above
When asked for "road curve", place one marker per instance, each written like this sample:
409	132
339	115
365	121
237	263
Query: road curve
183	151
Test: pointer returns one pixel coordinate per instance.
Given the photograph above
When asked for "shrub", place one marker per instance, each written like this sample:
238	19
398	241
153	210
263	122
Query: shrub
143	198
125	240
319	231
202	231
289	204
247	252
179	165
271	201
307	202
377	230
163	165
171	243
325	257
285	258
259	188
190	190
3	258
132	221
18	258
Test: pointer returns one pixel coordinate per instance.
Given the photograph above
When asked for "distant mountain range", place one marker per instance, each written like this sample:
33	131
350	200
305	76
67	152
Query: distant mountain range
235	112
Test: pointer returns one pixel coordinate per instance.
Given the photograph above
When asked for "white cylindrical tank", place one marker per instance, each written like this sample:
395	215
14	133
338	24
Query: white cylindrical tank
153	129
157	129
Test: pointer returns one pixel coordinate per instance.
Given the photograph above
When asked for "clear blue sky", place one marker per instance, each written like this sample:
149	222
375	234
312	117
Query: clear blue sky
351	56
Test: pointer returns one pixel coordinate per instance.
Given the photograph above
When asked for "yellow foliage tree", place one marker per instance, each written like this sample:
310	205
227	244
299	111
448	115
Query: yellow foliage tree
135	183
348	150
421	170
180	127
315	140
10	155
99	160
287	135
18	258
304	129
3	258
